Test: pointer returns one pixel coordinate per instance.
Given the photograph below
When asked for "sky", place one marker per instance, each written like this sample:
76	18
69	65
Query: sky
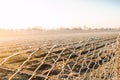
49	14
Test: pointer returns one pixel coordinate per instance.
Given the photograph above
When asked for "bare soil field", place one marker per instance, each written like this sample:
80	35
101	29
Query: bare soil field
57	55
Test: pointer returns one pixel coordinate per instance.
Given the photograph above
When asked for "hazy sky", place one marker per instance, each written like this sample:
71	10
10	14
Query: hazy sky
57	13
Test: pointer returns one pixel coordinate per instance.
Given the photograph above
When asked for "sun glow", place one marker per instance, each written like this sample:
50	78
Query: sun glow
51	14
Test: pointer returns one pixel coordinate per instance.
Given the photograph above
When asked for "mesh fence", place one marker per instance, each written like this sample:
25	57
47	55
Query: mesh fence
118	57
92	59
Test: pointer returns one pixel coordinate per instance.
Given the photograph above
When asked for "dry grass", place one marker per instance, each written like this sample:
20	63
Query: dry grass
76	56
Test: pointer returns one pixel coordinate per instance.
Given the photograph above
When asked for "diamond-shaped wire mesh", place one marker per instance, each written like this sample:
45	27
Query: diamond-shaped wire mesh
93	59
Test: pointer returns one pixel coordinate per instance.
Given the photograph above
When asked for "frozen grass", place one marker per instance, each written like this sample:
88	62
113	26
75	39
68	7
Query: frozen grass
76	56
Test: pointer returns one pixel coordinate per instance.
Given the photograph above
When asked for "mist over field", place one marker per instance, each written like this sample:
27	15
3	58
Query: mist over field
59	39
8	35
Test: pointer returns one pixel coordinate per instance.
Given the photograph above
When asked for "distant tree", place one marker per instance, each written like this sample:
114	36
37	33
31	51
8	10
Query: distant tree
77	28
37	28
64	28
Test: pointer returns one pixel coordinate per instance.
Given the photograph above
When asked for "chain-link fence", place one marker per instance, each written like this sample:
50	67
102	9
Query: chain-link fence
118	58
92	59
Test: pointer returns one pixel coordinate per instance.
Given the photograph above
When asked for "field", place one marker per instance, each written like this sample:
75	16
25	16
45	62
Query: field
58	55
